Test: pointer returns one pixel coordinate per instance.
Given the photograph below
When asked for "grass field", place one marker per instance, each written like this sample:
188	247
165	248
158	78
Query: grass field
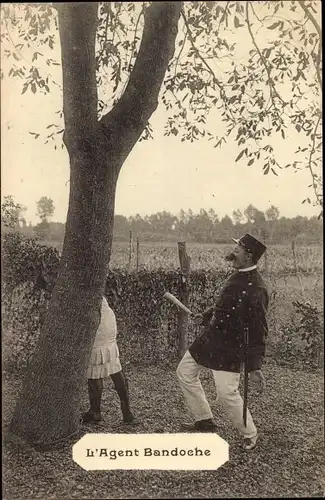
309	258
205	256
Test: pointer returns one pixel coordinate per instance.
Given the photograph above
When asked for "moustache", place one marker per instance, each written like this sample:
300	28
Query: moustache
230	257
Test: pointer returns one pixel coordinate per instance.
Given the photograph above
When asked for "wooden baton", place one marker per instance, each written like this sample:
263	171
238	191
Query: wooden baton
177	302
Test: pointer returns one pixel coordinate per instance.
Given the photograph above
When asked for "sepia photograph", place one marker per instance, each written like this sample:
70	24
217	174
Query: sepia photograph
162	250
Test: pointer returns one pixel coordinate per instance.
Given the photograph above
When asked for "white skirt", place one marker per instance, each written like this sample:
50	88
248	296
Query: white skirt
104	361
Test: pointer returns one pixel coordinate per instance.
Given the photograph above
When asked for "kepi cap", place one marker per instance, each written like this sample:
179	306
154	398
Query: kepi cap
252	245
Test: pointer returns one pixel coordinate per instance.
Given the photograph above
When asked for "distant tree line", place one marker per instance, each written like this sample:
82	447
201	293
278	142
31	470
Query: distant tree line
203	227
207	227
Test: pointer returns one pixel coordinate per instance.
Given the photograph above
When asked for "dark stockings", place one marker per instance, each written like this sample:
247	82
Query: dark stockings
95	390
121	385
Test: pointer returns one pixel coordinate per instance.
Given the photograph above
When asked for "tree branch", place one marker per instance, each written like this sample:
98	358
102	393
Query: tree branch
125	123
273	91
133	46
197	52
219	84
77	28
312	151
134	36
316	61
180	52
105	33
310	17
224	15
317	65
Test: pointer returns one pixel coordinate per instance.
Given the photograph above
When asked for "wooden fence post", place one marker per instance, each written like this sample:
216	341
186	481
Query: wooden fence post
184	261
130	252
138	254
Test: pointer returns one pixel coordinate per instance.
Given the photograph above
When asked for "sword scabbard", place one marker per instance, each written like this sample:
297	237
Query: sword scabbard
245	379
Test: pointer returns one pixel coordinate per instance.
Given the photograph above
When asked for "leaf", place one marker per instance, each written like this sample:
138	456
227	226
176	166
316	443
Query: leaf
240	155
25	87
274	25
236	22
33	87
250	162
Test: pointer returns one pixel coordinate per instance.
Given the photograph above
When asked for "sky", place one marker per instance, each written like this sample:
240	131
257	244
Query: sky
160	174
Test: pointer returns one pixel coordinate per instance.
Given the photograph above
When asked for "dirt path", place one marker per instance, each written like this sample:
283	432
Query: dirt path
288	461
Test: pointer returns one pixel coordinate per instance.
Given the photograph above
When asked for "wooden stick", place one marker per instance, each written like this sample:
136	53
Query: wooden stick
184	291
177	302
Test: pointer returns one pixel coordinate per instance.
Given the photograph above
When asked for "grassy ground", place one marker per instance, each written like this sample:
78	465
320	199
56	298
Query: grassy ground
288	461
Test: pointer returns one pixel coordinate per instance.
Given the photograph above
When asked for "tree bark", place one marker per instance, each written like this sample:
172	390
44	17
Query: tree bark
48	408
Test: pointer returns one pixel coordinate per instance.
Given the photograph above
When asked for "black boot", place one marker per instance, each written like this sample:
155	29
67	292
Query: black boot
121	385
206	425
95	390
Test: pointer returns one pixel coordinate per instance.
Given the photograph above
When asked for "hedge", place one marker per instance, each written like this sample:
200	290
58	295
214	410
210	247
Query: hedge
147	323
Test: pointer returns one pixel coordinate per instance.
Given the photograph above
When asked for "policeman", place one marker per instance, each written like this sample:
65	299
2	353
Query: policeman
236	326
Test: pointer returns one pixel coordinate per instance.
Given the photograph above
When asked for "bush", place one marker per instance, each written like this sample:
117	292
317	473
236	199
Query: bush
28	277
311	330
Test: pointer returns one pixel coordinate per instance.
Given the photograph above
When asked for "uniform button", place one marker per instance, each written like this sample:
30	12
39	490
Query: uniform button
227	315
249	284
233	307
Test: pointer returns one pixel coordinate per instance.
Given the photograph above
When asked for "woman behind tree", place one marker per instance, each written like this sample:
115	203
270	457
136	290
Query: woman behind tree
105	362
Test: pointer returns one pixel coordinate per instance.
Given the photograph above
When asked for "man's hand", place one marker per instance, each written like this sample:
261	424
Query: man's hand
258	380
198	319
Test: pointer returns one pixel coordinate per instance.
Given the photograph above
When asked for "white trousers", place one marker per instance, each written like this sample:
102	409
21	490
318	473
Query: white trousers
227	383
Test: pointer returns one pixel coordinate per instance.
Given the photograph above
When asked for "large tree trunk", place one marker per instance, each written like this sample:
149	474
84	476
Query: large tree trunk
49	405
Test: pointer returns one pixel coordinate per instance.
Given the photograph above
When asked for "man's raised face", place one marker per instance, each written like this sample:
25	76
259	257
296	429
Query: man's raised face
242	258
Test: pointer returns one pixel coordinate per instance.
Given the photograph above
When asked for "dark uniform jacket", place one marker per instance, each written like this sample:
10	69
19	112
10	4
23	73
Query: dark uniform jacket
240	308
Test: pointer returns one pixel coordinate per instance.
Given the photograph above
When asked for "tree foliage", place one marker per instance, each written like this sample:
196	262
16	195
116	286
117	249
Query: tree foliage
45	208
253	67
11	213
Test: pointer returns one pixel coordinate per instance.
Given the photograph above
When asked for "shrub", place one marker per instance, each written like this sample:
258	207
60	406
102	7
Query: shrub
311	330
